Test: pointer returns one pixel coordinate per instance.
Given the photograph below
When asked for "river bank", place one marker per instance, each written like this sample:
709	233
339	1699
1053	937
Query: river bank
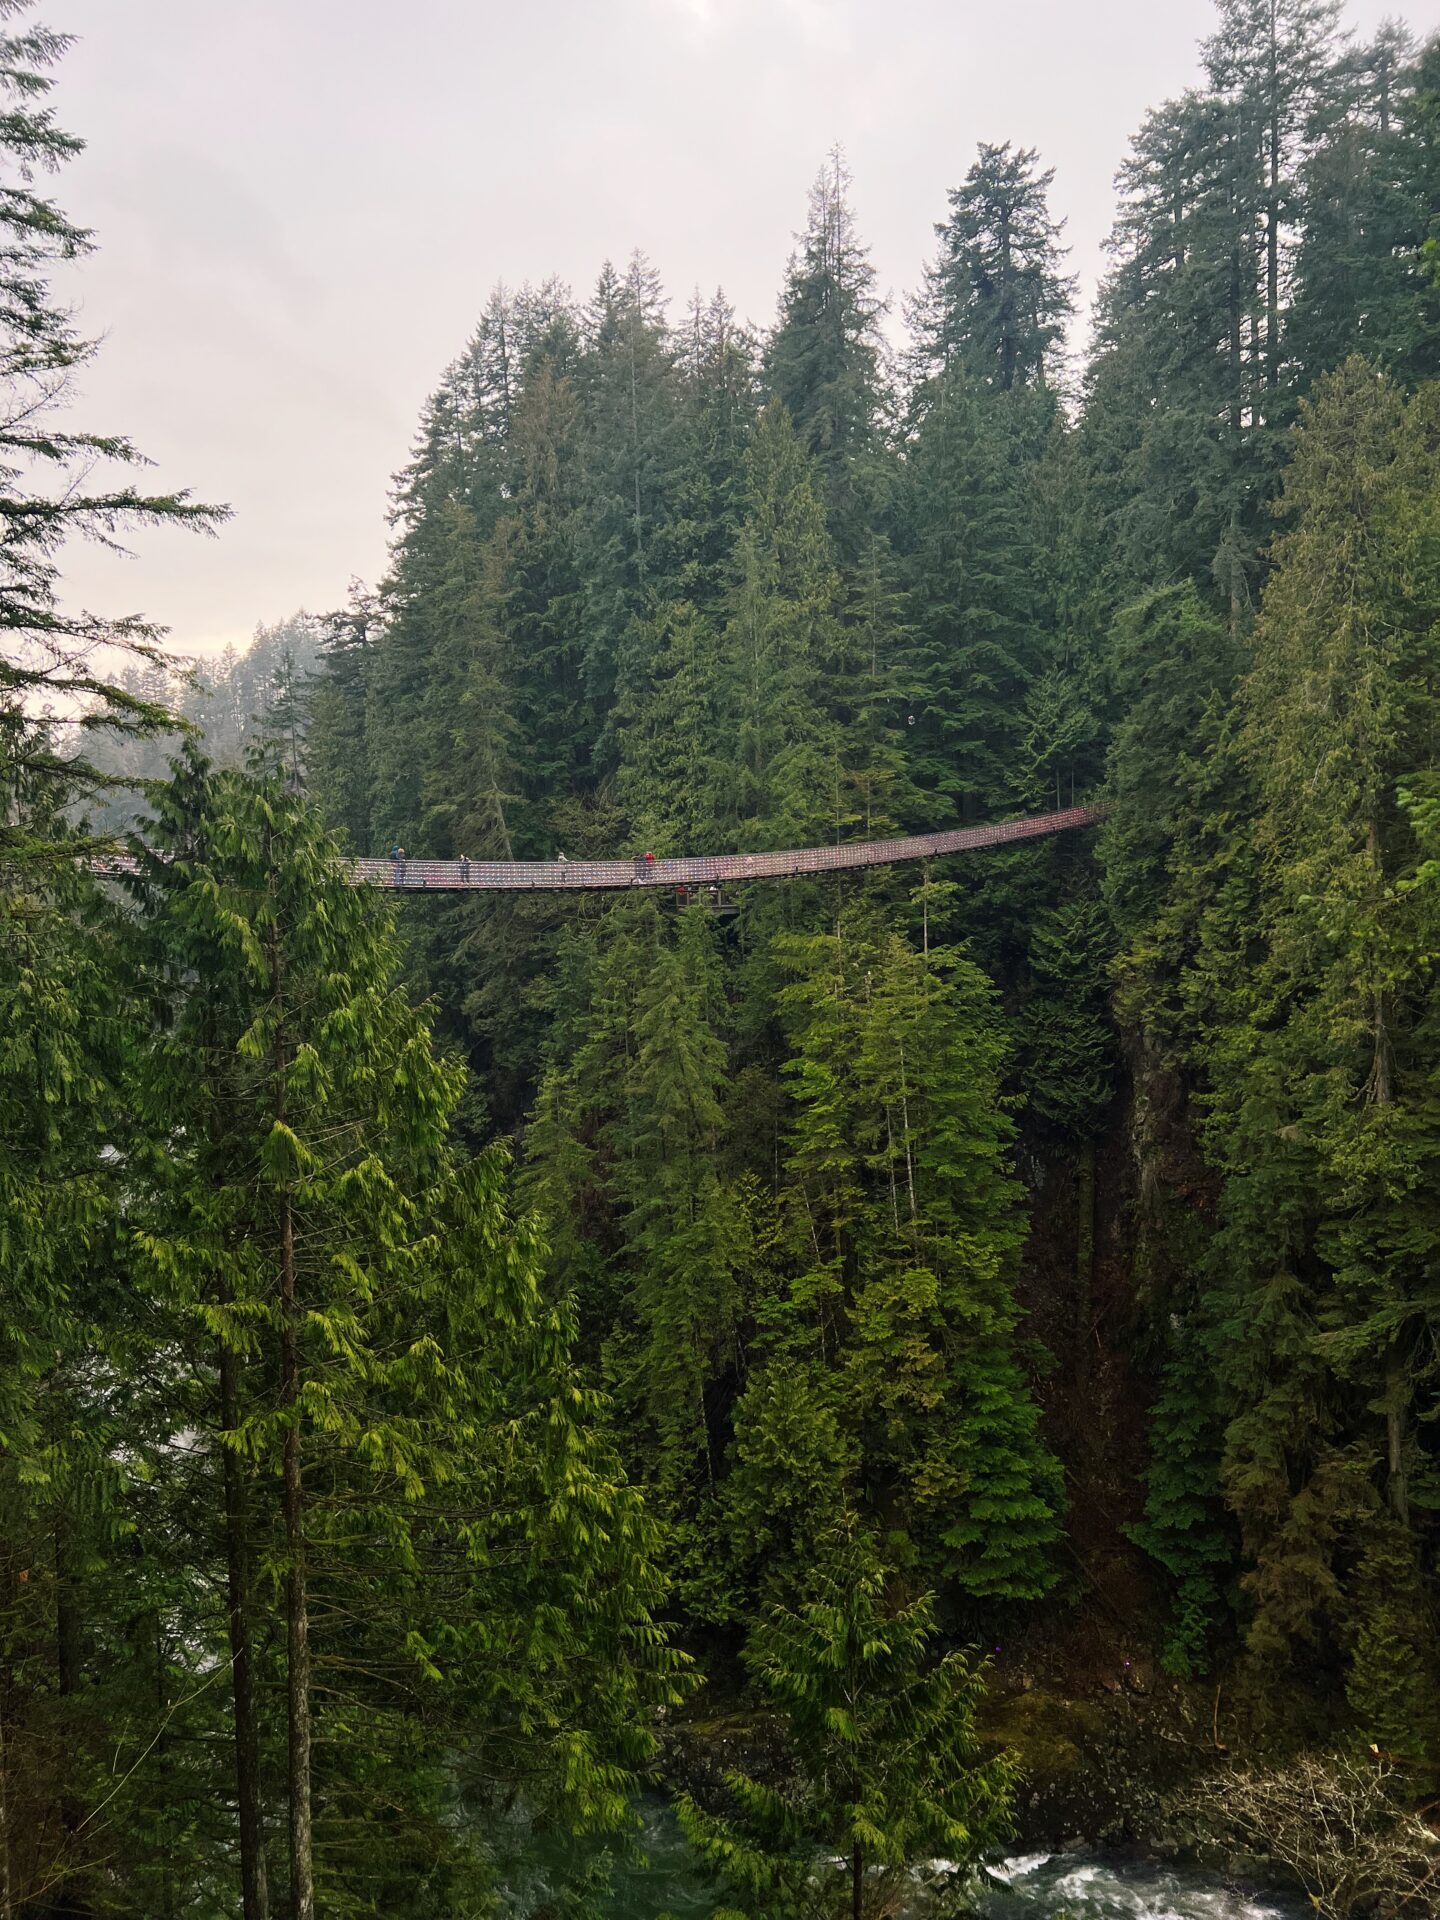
664	1882
1096	1771
1131	1795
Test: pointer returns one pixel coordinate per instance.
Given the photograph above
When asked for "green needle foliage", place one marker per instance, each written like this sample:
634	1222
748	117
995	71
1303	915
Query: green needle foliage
409	1468
902	1234
58	482
1071	1211
1315	1321
888	1769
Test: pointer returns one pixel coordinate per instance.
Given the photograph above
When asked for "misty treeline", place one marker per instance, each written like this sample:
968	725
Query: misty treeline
434	1344
239	702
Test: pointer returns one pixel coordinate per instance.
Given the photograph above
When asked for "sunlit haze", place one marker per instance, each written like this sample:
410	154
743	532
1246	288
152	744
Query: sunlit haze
301	205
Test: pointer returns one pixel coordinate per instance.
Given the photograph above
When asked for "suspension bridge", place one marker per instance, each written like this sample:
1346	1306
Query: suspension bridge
704	870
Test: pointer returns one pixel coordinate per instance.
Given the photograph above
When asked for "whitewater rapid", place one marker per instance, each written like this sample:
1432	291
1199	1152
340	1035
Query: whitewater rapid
1043	1884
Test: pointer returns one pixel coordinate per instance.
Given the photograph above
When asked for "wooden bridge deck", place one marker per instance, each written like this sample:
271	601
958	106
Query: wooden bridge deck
704	870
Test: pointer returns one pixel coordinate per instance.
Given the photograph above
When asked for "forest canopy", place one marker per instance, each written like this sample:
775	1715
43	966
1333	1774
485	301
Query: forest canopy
441	1336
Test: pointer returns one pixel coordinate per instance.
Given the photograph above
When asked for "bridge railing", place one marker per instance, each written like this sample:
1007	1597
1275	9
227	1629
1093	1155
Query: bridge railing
715	869
701	870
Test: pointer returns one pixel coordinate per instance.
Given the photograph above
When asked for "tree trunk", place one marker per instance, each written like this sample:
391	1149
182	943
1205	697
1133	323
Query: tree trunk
1085	1255
297	1638
162	1707
254	1893
1397	1398
1236	353
68	1903
254	1881
7	1897
1236	348
857	1883
302	1864
1272	216
1398	1387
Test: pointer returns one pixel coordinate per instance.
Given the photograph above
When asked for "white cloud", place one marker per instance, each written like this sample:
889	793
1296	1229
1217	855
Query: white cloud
702	15
814	23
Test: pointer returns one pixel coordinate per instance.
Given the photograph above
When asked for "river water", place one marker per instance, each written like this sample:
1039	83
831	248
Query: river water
1039	1886
1036	1886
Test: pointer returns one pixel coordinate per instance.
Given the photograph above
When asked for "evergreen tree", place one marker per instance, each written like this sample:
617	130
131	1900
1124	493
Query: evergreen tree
49	659
978	616
1361	282
1194	384
626	1161
86	1616
1313	1053
1066	1042
241	700
1184	1528
337	748
1273	60
717	363
448	503
77	1433
347	1516
401	1441
824	360
902	1244
1172	430
631	452
883	1734
782	639
539	590
876	692
1169	661
674	742
995	300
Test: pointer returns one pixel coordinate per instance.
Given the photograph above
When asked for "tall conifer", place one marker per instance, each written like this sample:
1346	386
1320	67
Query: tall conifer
824	361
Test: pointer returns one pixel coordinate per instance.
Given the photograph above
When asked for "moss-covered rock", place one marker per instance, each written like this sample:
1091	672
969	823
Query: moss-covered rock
1095	1771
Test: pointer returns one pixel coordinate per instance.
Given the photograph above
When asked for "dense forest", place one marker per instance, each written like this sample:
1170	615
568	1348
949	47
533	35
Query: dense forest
451	1345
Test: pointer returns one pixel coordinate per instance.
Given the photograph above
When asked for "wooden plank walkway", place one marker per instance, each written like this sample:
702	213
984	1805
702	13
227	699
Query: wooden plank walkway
704	870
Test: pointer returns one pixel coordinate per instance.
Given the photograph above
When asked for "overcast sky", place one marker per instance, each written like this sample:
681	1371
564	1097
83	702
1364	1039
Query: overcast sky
301	205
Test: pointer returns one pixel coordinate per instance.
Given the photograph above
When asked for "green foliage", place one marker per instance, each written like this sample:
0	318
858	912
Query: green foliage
60	483
979	607
1184	1528
321	1469
823	361
1392	1685
1066	1040
1362	282
882	1731
651	1239
464	1531
995	301
102	1758
903	1233
1315	1322
336	765
1169	662
240	1247
780	774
